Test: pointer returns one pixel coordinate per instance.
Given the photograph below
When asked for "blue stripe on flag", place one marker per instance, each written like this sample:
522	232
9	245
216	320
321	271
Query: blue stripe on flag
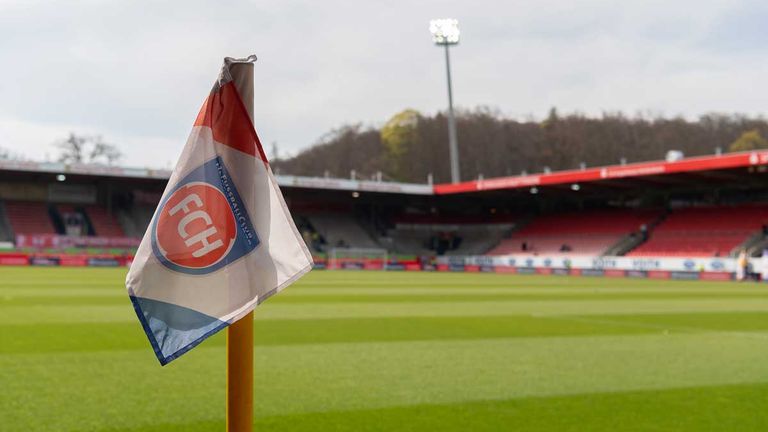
172	329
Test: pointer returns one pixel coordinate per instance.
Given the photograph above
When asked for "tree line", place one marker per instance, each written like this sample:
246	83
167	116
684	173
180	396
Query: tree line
411	145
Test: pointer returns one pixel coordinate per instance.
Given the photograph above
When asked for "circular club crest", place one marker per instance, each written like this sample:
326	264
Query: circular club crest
195	228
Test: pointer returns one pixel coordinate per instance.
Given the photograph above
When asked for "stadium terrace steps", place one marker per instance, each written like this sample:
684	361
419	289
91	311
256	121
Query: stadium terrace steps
5	228
27	217
473	239
704	231
134	222
476	244
755	245
127	223
583	233
624	245
341	230
634	239
409	242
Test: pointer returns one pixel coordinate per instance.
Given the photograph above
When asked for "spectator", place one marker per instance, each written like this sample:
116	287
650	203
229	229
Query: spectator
741	265
644	232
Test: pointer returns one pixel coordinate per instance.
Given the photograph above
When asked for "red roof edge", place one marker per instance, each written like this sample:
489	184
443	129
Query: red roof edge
641	169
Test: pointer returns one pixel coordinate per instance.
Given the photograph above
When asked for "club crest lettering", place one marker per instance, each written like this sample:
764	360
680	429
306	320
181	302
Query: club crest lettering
202	225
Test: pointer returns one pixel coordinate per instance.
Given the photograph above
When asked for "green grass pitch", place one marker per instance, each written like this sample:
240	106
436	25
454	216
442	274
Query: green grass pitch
369	351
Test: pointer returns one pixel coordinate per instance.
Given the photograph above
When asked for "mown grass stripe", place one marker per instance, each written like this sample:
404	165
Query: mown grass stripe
273	310
43	338
693	408
99	300
362	376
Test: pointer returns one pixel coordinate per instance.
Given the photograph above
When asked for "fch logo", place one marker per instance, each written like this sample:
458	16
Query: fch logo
202	225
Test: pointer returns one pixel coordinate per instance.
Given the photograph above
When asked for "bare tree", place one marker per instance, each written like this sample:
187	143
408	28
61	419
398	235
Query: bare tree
72	148
102	150
87	149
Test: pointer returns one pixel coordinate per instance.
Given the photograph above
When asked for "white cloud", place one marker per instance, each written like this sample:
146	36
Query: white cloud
136	72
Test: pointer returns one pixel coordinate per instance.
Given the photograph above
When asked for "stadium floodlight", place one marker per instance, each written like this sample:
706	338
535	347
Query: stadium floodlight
445	32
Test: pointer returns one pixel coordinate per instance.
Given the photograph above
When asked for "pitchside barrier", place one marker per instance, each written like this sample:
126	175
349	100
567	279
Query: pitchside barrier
64	260
695	268
712	268
64	241
708	268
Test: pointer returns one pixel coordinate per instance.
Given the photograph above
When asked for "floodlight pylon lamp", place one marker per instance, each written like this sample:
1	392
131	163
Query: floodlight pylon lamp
445	31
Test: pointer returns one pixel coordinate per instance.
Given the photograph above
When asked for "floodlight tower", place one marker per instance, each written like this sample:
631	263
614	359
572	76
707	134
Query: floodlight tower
445	32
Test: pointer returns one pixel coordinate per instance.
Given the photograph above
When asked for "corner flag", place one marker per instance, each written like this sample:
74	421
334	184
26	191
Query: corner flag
221	240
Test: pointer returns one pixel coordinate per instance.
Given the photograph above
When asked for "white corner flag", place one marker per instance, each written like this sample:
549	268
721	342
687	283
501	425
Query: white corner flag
221	240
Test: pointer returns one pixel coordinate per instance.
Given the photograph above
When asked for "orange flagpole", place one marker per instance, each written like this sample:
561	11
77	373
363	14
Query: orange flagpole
240	375
240	334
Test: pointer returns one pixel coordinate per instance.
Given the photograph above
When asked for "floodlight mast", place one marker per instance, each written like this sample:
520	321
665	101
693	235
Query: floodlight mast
445	32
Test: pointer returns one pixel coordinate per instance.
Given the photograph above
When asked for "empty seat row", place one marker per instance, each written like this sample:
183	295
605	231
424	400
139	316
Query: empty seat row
704	231
576	233
29	217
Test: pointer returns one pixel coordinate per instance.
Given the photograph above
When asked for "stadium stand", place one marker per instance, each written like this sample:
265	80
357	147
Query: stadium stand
428	234
583	233
466	219
704	231
340	230
445	239
70	219
26	217
479	240
407	241
104	224
135	220
5	229
311	237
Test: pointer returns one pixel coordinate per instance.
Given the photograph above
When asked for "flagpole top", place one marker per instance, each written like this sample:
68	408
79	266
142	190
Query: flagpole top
232	60
230	64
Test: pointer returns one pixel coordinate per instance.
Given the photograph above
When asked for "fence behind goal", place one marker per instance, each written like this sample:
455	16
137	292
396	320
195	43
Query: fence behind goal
358	258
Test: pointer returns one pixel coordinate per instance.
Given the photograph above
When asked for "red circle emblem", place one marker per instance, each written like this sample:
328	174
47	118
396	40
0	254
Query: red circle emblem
196	227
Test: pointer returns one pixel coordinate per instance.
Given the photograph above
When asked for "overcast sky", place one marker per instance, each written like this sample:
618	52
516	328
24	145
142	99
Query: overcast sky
137	72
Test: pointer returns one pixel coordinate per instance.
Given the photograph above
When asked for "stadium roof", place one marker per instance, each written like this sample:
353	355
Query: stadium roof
161	174
699	170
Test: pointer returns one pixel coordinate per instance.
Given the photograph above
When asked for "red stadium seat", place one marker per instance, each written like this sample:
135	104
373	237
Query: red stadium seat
703	231
104	223
585	233
26	217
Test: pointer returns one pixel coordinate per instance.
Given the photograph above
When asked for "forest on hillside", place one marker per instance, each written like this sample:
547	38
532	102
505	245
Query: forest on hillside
410	146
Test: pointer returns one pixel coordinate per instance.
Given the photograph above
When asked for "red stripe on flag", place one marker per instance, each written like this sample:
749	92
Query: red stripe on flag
227	117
